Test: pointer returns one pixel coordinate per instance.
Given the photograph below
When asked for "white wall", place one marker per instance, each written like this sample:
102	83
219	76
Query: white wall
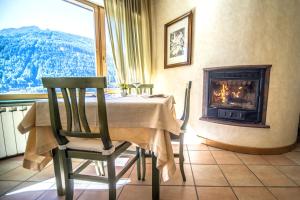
236	32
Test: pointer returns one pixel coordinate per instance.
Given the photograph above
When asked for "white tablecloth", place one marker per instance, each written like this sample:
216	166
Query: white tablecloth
146	122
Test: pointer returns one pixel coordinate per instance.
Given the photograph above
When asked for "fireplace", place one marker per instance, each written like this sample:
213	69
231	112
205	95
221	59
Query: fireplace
236	94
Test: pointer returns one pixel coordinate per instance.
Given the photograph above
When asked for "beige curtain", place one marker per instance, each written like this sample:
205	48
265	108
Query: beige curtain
129	29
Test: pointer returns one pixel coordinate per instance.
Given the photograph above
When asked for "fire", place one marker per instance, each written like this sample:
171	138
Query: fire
223	93
236	94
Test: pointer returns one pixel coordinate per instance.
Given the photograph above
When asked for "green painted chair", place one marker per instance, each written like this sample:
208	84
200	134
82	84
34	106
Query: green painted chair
180	138
77	141
143	88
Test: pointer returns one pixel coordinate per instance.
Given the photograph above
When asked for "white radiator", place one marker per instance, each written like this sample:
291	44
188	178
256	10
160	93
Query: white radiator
12	142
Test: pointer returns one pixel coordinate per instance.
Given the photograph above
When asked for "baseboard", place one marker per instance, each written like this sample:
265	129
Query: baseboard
249	150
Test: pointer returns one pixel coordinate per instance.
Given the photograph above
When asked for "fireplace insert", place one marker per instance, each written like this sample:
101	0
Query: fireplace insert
236	94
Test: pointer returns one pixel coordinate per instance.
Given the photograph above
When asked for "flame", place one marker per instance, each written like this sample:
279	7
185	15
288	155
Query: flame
223	93
236	94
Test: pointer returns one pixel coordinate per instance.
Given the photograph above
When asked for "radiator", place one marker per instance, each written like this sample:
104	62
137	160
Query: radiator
12	142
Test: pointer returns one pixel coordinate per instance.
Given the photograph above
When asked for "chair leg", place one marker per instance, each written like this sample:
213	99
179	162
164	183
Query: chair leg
143	160
111	179
69	183
58	172
138	163
181	157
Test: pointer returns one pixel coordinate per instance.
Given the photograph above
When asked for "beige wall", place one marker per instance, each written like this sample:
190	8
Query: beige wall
236	32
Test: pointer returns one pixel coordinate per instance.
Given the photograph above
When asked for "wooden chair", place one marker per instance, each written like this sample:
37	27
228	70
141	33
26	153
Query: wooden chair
147	88
183	121
77	140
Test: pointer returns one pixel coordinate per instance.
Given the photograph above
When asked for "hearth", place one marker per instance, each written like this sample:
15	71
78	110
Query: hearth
237	93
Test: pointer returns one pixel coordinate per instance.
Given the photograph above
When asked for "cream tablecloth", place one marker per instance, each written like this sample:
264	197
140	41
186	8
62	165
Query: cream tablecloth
146	122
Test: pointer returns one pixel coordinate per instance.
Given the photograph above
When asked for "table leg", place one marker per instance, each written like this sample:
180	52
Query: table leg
57	171
155	178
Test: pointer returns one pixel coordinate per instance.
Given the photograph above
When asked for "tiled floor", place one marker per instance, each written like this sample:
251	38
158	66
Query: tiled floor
211	174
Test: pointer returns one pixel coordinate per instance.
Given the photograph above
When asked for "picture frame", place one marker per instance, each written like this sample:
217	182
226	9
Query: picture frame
178	41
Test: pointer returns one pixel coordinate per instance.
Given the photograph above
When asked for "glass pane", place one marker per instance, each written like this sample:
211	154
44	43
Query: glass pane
111	68
239	94
51	38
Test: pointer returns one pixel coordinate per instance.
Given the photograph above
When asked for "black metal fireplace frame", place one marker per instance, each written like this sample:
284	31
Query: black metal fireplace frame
259	73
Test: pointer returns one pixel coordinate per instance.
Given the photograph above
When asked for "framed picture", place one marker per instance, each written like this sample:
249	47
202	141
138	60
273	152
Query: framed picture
178	41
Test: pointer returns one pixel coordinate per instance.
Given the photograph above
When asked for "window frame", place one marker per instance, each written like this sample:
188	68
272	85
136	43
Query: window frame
100	50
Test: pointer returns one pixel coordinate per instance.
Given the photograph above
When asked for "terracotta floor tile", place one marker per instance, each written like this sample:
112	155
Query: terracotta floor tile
239	175
270	176
9	164
178	193
186	158
285	193
253	193
177	179
46	174
252	159
27	191
208	175
51	194
214	149
197	147
215	193
278	160
18	174
175	147
201	157
148	179
97	191
293	172
5	186
294	156
134	192
226	157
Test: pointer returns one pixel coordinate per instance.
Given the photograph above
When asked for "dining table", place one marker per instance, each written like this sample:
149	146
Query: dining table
145	121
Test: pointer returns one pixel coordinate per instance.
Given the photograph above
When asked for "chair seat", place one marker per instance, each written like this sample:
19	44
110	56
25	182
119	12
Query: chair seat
88	144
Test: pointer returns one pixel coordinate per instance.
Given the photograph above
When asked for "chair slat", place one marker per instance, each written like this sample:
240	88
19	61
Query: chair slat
73	98
82	113
68	108
54	116
103	119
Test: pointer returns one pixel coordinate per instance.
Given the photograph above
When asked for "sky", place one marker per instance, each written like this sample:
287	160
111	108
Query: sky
55	15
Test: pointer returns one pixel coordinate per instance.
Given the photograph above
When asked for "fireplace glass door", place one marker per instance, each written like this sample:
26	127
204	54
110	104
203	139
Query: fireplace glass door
233	94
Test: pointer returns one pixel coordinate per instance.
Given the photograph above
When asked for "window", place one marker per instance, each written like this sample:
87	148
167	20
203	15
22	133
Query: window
53	38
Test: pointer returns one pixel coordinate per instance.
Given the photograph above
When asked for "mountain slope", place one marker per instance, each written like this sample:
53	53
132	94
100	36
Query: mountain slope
28	53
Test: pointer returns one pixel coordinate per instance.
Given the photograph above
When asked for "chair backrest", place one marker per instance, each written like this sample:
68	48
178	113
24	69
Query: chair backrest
73	90
148	88
186	110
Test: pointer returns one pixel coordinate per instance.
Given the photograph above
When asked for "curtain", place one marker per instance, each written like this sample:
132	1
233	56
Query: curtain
128	22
